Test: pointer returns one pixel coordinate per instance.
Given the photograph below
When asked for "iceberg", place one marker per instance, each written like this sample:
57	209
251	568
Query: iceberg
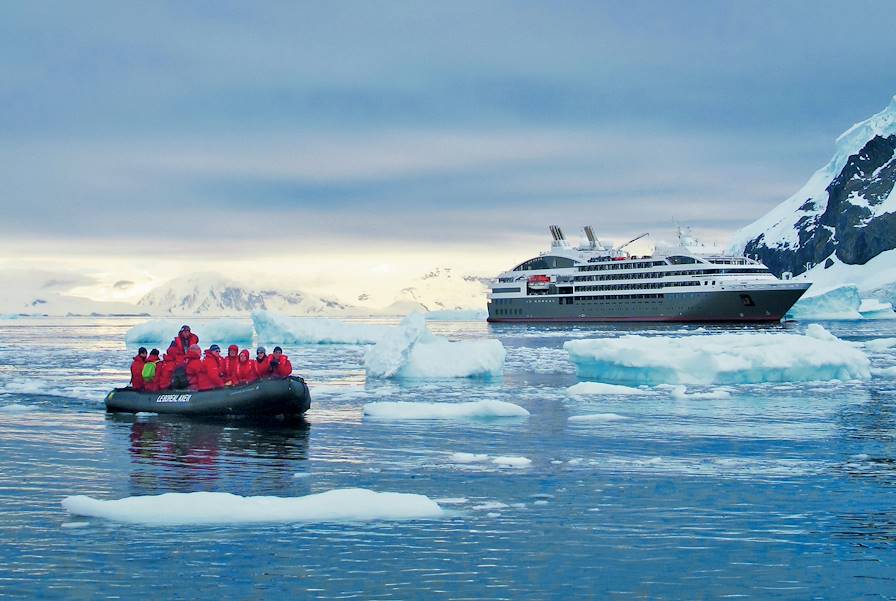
719	358
271	327
871	308
840	303
594	388
411	351
398	410
212	330
879	345
338	505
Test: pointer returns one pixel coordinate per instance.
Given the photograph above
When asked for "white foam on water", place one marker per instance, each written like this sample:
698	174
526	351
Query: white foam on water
411	351
338	505
271	327
399	410
719	358
163	331
515	462
596	388
597	417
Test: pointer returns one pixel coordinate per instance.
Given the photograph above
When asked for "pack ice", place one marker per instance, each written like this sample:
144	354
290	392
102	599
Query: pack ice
209	331
719	358
338	505
271	327
411	351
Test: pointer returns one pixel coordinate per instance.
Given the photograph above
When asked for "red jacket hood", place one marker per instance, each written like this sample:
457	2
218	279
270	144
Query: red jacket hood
194	352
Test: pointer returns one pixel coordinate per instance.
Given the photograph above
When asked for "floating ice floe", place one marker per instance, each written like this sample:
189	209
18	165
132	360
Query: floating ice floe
719	358
886	372
590	388
508	461
271	327
467	457
456	315
397	410
681	393
840	303
339	505
879	345
411	351
209	331
597	417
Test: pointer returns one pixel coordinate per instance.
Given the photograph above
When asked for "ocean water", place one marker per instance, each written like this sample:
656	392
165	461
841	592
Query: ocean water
781	491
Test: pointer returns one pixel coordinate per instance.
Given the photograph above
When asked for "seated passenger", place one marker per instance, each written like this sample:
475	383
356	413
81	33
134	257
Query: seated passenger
137	369
151	372
231	364
280	365
194	366
262	363
165	371
180	345
211	375
247	371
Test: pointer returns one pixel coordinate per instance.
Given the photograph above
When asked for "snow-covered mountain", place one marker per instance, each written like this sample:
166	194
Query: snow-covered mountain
441	289
213	294
842	218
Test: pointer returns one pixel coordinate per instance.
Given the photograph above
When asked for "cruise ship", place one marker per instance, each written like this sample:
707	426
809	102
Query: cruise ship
683	283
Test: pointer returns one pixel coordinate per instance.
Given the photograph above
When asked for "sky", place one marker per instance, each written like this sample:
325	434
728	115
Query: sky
335	146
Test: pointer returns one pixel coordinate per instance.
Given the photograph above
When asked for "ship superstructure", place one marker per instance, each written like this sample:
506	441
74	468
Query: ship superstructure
597	282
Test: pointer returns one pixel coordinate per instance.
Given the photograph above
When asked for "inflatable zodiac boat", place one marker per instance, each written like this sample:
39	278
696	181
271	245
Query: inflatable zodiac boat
287	397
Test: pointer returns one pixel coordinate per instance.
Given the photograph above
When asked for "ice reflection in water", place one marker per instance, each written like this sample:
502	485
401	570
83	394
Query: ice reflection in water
781	491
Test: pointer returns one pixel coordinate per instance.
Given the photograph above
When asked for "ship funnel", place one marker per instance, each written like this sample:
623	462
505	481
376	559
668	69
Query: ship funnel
557	234
589	233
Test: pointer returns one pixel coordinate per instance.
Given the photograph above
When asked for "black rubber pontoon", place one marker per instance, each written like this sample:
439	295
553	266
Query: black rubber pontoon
288	397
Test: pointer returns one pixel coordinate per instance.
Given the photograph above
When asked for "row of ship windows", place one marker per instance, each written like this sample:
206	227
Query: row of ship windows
618	266
570	300
640	286
662	274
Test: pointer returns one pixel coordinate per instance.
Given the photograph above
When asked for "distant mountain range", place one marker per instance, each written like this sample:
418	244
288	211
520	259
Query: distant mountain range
840	227
215	295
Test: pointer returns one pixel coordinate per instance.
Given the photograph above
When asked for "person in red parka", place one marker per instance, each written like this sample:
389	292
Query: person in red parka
262	363
194	366
279	364
231	364
164	371
152	385
246	367
180	345
212	374
137	369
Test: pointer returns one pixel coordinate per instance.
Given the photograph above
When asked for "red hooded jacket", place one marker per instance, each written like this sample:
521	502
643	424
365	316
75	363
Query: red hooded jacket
210	377
231	364
263	367
283	368
164	371
194	366
137	373
247	371
180	346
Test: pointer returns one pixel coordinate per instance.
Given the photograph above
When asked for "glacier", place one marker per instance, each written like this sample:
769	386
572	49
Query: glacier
272	327
719	358
411	351
222	331
338	505
843	302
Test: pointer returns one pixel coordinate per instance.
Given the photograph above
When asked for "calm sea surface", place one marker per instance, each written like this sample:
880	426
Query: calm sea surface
782	491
